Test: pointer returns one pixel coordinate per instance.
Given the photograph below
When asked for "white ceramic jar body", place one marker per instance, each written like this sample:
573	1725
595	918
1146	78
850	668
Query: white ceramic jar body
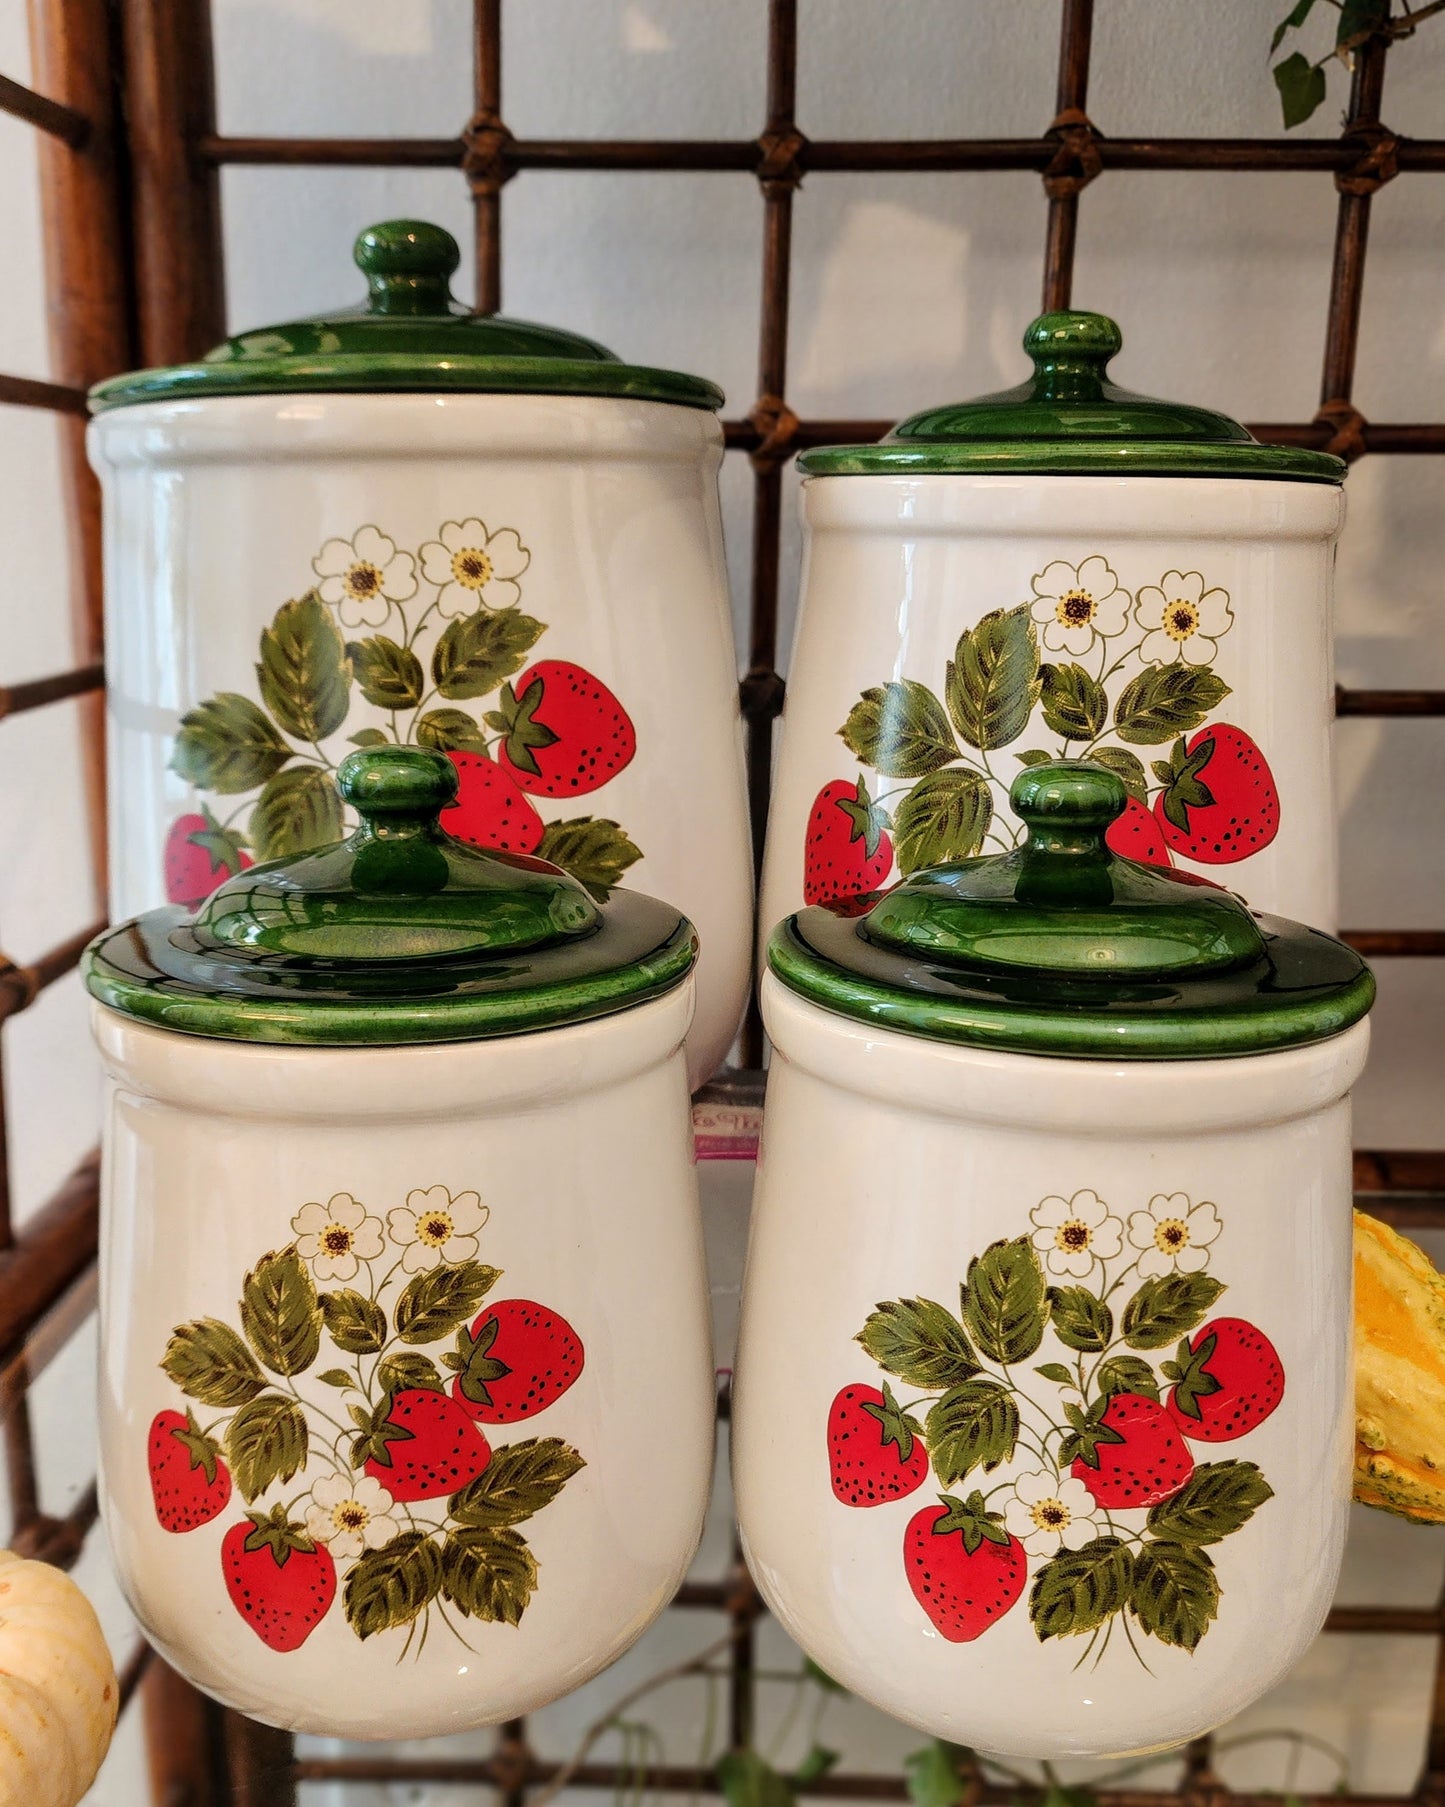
896	569
558	1158
888	1165
596	518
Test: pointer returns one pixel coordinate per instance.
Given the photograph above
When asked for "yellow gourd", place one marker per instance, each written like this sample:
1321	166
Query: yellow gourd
1399	1375
58	1691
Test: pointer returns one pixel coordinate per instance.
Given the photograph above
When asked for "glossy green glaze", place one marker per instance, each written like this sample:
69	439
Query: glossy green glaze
397	934
1069	419
1064	948
411	336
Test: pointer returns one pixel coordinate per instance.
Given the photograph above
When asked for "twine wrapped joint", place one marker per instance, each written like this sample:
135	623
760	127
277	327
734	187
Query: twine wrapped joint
1347	428
1377	164
781	152
777	428
487	152
1077	158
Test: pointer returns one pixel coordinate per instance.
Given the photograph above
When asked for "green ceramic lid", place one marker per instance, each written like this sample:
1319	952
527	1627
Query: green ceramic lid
1063	947
1068	419
410	335
397	934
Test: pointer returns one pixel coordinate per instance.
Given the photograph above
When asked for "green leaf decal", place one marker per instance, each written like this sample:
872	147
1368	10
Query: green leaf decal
520	1479
894	1424
265	1443
368	737
336	1377
475	652
900	729
1126	1374
304	673
940	1775
1075	704
1168	1307
388	675
992	681
393	1585
1128	767
944	817
299	809
1058	1373
1217	1498
1078	1589
974	1425
1004	1306
1165	700
208	1361
280	1314
354	1322
748	1780
1174	1594
227	744
919	1341
489	1573
393	1372
593	849
1081	1319
450	731
440	1299
1301	85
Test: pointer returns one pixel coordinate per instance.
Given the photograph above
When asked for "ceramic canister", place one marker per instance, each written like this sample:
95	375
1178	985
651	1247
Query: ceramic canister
1064	569
1042	1431
388	1130
411	522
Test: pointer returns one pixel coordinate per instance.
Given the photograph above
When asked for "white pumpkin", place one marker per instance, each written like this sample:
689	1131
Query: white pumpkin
58	1691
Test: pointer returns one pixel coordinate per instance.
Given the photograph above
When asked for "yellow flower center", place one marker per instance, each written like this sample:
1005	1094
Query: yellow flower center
1171	1234
1075	608
363	580
1181	619
472	567
1072	1235
1051	1515
350	1515
434	1229
336	1239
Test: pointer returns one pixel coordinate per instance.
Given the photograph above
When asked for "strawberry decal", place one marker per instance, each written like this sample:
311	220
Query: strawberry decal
564	733
490	811
847	852
414	1509
1219	803
1136	836
200	854
875	1450
1058	1446
189	1482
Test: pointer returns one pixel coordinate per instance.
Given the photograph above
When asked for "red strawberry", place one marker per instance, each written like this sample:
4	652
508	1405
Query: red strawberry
566	734
1136	836
279	1580
189	1481
846	850
1227	1380
874	1450
1219	803
964	1568
516	1360
200	855
1127	1452
490	811
419	1444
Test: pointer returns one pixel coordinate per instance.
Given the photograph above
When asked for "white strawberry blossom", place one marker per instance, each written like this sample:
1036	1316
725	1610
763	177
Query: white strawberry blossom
474	568
1182	619
1047	1511
1072	1233
351	1513
1077	604
335	1238
1173	1234
362	577
435	1226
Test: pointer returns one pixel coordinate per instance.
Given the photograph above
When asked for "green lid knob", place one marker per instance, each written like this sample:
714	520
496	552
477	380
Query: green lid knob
1071	352
382	783
406	264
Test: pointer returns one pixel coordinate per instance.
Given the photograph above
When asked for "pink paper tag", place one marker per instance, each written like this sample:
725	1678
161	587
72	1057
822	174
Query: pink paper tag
726	1132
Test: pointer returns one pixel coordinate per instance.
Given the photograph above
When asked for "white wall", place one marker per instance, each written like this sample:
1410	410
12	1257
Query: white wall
906	290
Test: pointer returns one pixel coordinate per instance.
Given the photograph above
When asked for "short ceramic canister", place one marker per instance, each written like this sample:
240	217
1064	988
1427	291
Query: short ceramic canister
400	1435
1043	1419
1063	569
406	520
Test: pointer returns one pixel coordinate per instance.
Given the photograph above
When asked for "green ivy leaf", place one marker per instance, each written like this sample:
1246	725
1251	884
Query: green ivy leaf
488	1573
1003	1302
354	1322
816	1764
900	729
450	731
992	682
437	1301
1165	700
393	1585
1216	1500
388	675
821	1678
1075	704
265	1443
1126	1374
475	652
1175	1593
227	744
1301	85
944	817
520	1479
304	673
1081	1319
593	849
279	1313
299	809
1078	1589
974	1425
209	1362
748	1780
940	1775
404	1369
1167	1307
1126	766
919	1341
1291	22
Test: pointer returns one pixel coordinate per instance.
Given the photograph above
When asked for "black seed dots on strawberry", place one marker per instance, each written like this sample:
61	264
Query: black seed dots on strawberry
866	1470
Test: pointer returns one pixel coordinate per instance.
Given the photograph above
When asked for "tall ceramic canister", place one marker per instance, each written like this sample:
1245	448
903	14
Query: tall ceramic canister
390	1128
1065	569
406	522
1049	1451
